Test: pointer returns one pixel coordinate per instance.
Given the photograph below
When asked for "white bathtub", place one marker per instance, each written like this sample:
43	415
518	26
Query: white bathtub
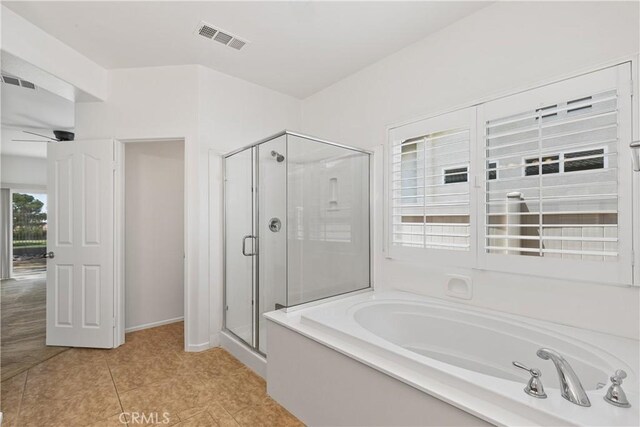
463	355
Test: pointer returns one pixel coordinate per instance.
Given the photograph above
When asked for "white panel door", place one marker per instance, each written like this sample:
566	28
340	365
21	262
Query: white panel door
80	302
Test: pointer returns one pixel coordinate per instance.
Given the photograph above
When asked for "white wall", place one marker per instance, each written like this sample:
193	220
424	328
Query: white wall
154	104
505	47
23	173
36	56
154	233
213	113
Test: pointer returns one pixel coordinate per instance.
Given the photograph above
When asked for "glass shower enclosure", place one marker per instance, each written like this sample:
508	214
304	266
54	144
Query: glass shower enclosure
296	228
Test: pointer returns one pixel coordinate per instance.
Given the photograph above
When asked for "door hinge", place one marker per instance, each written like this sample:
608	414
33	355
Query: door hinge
113	322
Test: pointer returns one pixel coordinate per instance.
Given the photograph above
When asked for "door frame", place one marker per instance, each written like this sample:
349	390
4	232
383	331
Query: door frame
119	231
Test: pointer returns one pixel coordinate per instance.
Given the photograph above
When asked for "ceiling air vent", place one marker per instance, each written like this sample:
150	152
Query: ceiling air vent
205	30
237	44
210	32
15	81
11	80
223	38
27	84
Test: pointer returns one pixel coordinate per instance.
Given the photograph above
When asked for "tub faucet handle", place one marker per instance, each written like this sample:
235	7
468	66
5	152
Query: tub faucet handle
616	395
534	386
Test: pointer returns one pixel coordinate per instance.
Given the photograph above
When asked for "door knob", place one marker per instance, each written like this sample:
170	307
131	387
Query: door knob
49	255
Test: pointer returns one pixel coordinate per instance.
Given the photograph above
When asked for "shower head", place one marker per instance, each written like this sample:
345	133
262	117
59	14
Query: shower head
279	157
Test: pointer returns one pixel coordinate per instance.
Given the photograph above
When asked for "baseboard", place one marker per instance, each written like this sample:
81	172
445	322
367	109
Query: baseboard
198	347
153	324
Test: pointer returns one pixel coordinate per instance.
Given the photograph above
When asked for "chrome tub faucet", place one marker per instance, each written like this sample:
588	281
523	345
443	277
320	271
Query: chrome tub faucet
570	386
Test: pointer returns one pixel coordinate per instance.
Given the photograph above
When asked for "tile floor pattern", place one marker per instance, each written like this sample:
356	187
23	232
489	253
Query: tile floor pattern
149	374
23	309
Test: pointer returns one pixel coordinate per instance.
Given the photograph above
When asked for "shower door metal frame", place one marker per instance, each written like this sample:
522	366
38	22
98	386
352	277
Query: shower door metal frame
255	247
254	147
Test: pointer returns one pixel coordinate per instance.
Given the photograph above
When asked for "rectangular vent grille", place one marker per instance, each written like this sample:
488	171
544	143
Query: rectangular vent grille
223	38
11	80
236	44
207	31
27	84
15	81
210	32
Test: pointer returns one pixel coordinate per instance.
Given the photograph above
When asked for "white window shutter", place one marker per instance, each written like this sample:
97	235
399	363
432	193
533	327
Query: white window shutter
557	191
430	189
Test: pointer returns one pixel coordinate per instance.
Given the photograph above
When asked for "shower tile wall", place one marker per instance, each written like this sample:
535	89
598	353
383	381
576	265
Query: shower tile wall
328	199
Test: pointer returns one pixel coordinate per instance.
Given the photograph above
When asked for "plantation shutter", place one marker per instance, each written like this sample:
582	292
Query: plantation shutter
557	183
430	184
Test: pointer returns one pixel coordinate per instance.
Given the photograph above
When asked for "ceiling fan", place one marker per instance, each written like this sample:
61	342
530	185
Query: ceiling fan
60	135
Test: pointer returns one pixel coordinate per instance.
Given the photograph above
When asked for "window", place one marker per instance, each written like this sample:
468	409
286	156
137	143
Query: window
455	175
584	160
430	184
492	170
550	164
551	193
568	162
561	203
562	216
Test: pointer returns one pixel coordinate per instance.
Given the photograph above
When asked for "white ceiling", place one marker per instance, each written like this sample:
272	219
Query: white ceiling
37	111
10	147
296	47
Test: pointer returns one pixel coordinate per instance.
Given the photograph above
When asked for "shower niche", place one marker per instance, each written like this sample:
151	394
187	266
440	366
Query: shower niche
296	228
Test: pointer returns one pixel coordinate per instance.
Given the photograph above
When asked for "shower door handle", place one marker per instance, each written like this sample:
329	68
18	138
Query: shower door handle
244	245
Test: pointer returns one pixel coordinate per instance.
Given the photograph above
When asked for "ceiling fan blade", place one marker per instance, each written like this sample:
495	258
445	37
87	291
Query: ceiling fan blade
29	140
43	136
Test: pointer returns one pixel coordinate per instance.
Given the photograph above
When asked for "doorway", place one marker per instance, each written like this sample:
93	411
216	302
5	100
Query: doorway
23	295
154	224
29	230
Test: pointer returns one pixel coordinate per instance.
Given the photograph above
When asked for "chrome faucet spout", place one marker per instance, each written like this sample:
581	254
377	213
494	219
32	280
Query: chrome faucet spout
570	386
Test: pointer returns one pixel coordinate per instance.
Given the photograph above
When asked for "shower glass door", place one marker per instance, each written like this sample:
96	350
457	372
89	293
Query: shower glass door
296	228
255	211
240	245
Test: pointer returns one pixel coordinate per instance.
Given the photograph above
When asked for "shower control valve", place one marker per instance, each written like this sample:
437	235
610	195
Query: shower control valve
275	224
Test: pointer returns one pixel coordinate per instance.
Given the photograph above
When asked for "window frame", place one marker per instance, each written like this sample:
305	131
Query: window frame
464	119
620	272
